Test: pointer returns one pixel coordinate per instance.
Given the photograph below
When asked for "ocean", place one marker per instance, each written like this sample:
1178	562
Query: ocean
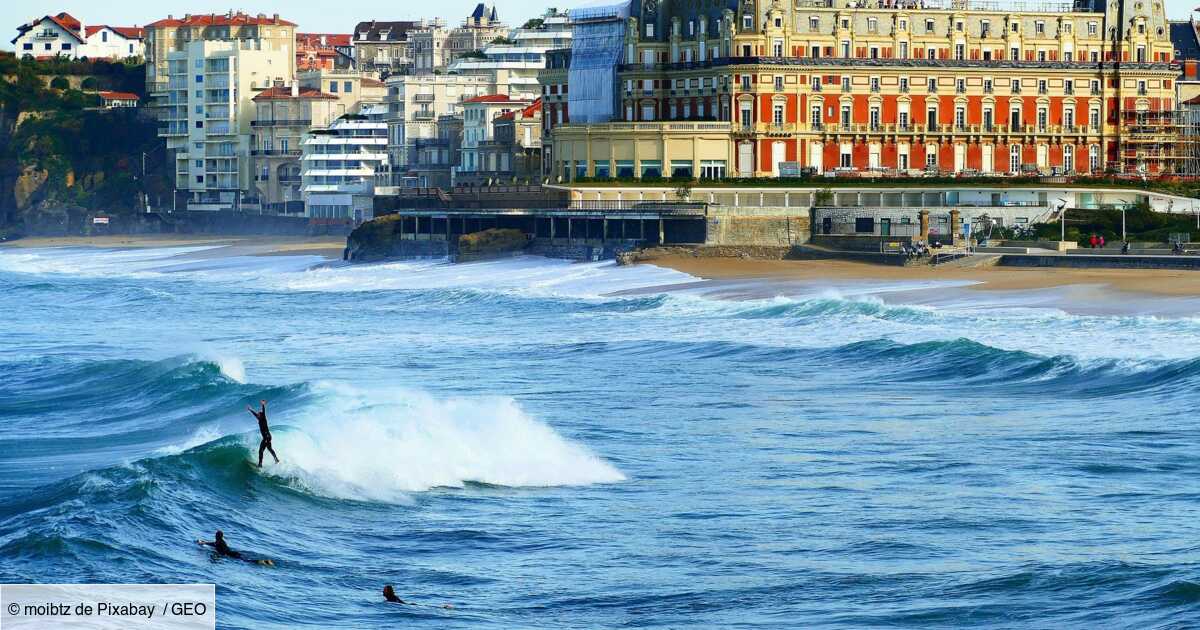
556	445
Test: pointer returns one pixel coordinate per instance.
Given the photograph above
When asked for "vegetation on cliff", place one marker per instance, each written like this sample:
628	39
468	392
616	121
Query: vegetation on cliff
60	159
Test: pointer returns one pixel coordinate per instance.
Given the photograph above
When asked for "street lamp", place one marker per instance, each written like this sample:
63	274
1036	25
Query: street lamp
1062	219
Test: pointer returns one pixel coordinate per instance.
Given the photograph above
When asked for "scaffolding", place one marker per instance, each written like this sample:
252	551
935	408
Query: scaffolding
1165	143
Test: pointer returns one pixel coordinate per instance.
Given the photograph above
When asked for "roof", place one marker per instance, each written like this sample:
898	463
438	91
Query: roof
63	20
120	96
1195	100
285	93
1183	38
493	98
314	39
128	32
396	31
222	19
528	112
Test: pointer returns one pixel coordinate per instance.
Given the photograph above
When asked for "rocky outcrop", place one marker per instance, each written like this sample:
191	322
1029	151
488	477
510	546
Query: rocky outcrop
755	252
492	243
28	187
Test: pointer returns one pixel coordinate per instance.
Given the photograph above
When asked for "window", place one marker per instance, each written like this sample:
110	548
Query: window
625	169
1039	28
985	28
712	169
651	168
874	84
778	22
1068	56
1014	54
815	116
874	118
1094	118
68	47
987	86
347	87
845	114
778	84
745	83
931	53
747	25
777	114
872	25
960	86
928	26
903	84
814	24
958	27
931	156
845	23
1014	158
1016	27
960	118
1042	116
199	78
1094	158
845	160
104	36
845	84
1042	86
681	168
960	52
1141	88
777	48
845	49
650	28
333	87
816	84
1068	86
1095	86
1066	27
932	85
1016	86
27	46
904	50
1092	28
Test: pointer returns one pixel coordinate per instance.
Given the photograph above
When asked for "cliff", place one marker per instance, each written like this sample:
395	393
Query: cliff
62	159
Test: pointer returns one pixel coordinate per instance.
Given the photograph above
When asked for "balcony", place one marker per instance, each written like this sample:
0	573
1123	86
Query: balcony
423	115
275	152
777	128
293	122
423	98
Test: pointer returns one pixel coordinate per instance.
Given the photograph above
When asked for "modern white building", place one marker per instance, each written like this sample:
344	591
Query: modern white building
340	164
513	65
207	112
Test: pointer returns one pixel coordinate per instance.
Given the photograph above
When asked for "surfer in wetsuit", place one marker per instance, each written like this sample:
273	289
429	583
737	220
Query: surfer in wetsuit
389	594
220	546
265	445
222	549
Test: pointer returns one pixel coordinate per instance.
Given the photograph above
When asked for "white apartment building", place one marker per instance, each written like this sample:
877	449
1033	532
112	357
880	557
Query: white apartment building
415	102
340	164
207	111
479	116
513	66
63	35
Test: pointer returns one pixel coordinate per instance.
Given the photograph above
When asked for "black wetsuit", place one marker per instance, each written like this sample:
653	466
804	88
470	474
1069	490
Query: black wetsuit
222	548
265	445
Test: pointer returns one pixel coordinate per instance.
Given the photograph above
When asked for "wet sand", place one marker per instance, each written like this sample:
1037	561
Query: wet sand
324	246
1166	282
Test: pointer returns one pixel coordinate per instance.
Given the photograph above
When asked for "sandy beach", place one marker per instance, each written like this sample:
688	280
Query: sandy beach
1148	281
325	246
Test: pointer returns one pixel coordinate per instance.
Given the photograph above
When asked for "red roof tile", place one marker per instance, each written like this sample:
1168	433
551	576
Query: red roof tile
66	20
120	96
491	98
314	39
222	19
284	93
128	32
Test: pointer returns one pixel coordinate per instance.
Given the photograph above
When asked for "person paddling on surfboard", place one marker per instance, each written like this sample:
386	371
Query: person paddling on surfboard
389	596
265	445
222	549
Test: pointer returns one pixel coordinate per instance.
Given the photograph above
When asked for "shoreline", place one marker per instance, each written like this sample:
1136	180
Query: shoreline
1158	282
330	247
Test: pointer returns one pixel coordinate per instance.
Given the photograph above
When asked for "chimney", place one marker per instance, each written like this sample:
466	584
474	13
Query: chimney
276	18
295	89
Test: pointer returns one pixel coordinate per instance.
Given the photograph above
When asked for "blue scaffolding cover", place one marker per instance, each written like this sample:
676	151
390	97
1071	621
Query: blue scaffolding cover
597	47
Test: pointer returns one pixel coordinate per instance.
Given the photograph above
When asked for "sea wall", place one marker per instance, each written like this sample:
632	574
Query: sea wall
1102	262
739	227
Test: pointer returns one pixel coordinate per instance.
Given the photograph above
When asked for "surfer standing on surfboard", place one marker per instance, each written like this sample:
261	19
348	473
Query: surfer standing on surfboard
265	445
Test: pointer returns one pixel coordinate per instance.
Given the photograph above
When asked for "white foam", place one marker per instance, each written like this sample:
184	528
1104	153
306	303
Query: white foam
202	436
382	445
232	368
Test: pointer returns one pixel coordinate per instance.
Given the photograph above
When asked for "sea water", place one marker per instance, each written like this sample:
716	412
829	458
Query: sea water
556	445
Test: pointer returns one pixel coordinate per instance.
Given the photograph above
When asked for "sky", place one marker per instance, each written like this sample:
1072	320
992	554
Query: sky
316	16
320	16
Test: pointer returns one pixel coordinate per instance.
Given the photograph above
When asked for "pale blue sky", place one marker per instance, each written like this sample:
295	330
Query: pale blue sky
320	16
312	15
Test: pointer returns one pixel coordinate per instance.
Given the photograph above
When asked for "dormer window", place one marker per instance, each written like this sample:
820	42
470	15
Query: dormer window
747	22
362	37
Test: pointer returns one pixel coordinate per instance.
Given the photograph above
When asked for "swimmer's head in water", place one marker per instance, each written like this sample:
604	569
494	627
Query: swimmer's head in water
388	591
220	535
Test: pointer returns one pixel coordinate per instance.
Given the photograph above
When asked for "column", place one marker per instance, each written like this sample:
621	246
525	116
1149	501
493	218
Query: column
924	214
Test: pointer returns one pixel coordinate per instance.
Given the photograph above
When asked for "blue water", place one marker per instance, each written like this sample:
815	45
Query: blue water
551	445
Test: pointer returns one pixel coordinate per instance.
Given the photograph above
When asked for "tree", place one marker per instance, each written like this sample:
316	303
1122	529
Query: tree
684	191
823	198
60	83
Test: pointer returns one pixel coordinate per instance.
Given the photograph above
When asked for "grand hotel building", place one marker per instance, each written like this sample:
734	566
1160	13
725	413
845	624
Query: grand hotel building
728	88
